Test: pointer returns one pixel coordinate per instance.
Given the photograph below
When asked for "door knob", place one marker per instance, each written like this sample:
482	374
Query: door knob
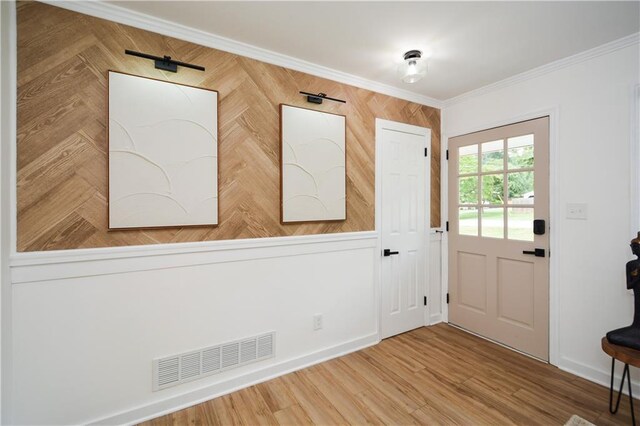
388	252
536	252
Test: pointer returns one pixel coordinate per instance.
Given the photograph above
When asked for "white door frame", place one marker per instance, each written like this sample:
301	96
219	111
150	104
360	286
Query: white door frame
554	114
635	161
382	124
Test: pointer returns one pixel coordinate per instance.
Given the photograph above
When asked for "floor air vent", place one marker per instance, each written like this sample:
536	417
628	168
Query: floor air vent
181	368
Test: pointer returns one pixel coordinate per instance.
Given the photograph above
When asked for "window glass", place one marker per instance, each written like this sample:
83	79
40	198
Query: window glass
493	222
493	189
520	154
493	156
468	221
468	190
468	159
520	188
520	223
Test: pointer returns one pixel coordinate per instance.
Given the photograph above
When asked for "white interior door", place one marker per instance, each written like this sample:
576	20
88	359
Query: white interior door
498	259
404	152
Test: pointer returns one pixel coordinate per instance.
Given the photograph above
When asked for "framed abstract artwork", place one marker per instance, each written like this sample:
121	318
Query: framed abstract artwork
163	153
312	165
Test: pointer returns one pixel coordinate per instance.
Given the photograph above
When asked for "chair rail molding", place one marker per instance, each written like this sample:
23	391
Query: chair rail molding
62	264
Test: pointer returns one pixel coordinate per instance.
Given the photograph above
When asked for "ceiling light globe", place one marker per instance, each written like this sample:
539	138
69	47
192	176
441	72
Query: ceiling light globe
413	67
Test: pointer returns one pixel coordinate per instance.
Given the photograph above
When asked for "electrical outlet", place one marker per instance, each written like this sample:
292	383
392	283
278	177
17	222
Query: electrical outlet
576	211
317	322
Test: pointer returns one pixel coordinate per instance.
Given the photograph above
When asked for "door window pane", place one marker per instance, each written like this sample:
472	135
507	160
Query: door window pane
493	156
520	154
493	222
468	159
468	221
521	188
493	189
520	223
468	190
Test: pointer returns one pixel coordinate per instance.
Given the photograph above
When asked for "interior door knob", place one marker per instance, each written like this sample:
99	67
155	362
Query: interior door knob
537	252
388	252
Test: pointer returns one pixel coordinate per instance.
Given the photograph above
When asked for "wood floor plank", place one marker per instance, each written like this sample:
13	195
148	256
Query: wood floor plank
255	410
385	408
435	375
276	394
393	386
346	377
293	415
348	405
319	410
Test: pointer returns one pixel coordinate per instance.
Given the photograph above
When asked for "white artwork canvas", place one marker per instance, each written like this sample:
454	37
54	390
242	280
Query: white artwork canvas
163	161
313	151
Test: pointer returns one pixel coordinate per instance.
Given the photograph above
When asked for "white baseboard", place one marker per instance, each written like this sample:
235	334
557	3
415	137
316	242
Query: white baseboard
188	399
435	319
595	375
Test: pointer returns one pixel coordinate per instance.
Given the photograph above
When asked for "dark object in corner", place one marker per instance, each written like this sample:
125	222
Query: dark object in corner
630	336
317	99
165	62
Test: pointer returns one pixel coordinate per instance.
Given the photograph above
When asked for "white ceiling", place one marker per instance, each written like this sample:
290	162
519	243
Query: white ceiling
472	43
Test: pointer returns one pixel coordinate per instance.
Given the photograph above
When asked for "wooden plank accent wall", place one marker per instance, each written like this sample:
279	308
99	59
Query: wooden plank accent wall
63	58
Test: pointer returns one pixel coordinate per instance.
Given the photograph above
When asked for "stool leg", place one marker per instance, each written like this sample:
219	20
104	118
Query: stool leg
624	374
633	417
613	370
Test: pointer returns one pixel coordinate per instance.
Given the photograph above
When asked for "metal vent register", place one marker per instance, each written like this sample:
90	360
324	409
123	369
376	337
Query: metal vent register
174	370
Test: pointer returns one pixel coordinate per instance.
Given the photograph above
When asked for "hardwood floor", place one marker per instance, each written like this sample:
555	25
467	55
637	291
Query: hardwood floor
432	375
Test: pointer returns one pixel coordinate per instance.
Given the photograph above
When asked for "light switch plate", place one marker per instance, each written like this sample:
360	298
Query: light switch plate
577	211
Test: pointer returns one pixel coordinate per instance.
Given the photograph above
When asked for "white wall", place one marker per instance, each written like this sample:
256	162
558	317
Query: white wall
7	130
591	137
88	323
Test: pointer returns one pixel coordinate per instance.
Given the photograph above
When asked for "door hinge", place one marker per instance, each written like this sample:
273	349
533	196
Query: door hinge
447	154
426	152
425	301
447	298
447	226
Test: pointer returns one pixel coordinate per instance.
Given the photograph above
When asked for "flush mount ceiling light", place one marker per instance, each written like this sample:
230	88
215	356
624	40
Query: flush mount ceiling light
413	68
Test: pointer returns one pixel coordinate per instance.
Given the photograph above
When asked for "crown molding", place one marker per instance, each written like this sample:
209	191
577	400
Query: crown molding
139	20
546	69
118	14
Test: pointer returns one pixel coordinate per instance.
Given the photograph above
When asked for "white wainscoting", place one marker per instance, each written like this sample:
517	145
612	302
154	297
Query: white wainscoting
87	323
435	278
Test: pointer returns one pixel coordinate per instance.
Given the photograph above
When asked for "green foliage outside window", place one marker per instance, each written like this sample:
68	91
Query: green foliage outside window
519	183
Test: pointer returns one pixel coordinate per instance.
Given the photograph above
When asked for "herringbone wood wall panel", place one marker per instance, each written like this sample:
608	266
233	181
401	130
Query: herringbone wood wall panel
63	59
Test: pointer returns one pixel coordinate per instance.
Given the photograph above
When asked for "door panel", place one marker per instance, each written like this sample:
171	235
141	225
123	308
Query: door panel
472	284
404	205
516	279
498	185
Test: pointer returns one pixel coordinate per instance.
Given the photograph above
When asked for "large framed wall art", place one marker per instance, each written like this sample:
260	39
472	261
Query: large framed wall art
163	153
312	165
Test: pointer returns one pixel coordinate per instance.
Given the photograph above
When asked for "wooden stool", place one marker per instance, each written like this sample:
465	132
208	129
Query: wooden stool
629	357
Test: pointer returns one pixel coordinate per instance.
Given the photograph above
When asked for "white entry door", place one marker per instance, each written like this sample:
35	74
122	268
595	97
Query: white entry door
404	157
499	234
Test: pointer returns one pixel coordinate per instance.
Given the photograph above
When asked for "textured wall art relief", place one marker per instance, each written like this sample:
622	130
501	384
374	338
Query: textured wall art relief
162	153
313	156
